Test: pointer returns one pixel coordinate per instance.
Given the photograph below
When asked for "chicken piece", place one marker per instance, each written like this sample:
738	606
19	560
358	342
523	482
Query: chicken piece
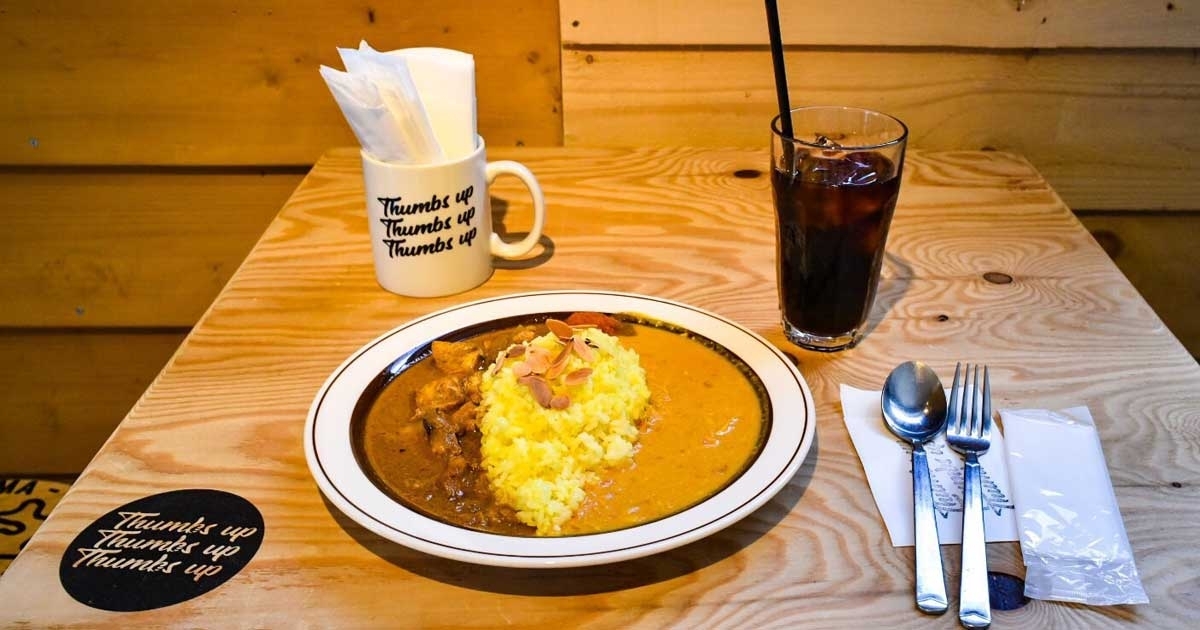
443	436
453	487
465	418
441	394
474	386
525	333
456	465
456	357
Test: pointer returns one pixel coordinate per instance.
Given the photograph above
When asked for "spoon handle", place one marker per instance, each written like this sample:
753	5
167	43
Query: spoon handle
931	581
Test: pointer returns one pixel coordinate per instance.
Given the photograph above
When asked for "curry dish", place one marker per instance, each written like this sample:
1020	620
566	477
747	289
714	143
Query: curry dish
705	422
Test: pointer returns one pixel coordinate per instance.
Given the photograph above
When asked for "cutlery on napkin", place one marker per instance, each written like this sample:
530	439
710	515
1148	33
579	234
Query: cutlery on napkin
1045	484
886	461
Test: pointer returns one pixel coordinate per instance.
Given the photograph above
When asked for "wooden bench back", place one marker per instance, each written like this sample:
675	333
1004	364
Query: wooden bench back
1100	95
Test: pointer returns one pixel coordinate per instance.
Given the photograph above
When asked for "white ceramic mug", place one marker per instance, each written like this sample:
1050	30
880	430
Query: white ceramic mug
431	224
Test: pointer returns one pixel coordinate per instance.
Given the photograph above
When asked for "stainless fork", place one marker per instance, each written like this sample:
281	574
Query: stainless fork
968	431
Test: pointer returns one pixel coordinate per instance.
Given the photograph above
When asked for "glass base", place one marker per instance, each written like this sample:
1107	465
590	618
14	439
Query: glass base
821	343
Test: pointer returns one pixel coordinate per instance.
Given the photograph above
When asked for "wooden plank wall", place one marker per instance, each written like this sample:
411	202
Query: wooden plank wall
145	146
1103	96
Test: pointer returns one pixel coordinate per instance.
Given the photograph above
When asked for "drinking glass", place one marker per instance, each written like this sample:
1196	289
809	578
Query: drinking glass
835	183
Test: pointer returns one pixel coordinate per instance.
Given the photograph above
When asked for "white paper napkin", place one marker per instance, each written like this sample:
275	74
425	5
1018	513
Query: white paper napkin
409	106
398	91
446	80
887	461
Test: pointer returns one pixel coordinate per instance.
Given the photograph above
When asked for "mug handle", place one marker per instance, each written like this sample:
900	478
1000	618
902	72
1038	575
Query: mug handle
522	247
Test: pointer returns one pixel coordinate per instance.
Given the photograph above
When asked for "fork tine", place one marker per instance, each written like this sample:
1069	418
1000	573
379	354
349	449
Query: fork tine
965	412
969	400
977	406
955	418
985	427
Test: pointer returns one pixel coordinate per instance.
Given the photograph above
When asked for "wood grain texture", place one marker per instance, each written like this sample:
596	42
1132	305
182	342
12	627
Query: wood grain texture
102	248
1086	119
64	392
229	409
976	24
232	82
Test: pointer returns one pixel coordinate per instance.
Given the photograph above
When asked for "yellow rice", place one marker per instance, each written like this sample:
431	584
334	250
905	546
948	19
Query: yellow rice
540	459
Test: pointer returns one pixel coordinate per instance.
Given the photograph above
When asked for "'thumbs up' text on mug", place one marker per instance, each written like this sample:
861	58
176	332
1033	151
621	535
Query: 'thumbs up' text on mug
431	224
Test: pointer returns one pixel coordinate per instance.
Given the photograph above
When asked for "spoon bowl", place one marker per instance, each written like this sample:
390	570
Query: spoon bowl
914	402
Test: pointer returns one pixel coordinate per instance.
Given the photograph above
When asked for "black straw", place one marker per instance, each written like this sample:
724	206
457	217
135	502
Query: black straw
781	89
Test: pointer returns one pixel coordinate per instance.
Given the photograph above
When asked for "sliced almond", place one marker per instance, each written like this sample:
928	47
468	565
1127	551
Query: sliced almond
561	401
539	388
538	363
578	377
559	363
559	328
521	369
585	352
514	351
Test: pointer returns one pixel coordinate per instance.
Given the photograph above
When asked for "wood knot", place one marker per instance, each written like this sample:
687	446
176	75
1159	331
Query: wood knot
943	317
1176	484
995	277
747	173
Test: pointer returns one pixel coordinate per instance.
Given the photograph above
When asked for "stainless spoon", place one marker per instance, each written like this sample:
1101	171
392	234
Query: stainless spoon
914	406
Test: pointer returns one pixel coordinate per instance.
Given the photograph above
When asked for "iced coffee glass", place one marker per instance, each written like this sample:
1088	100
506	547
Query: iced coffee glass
835	184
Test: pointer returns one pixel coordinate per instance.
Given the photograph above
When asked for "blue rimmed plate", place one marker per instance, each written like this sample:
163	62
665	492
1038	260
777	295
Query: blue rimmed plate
329	448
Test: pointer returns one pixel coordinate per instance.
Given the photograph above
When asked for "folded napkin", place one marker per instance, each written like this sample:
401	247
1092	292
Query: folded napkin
887	461
1072	536
410	106
446	81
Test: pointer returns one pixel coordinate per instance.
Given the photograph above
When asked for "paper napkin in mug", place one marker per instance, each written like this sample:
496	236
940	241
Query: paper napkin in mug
445	79
398	91
410	106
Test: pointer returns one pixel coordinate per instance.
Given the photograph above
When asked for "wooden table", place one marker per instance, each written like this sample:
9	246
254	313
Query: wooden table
984	263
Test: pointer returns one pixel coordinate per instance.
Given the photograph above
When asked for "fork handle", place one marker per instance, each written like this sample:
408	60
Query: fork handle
931	581
974	607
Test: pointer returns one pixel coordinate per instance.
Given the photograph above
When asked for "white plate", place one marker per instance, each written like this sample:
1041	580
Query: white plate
330	453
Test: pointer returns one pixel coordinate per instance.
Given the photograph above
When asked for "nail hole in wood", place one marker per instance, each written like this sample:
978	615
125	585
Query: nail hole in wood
943	317
995	277
1176	484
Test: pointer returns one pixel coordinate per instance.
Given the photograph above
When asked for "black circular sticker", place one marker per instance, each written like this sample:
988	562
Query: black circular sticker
161	550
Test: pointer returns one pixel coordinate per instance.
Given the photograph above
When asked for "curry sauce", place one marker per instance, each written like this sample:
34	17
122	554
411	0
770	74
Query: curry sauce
703	428
704	425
